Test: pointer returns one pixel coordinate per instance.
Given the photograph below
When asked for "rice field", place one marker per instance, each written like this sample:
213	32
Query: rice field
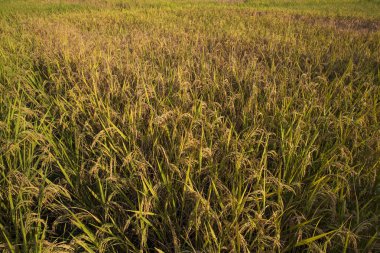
189	126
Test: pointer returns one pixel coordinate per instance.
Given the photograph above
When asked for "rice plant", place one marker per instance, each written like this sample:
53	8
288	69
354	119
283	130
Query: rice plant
189	126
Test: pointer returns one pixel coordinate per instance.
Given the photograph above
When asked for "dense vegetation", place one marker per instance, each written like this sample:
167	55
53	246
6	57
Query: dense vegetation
189	126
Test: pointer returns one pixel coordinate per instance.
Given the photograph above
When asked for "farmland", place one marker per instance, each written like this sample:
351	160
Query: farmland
189	126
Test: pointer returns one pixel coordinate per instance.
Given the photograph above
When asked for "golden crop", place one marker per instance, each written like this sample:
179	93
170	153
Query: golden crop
189	126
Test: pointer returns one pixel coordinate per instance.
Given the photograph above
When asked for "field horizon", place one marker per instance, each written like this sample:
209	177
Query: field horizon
189	126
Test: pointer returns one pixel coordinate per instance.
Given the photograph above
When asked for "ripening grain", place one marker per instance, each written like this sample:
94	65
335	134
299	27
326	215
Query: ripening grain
189	126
